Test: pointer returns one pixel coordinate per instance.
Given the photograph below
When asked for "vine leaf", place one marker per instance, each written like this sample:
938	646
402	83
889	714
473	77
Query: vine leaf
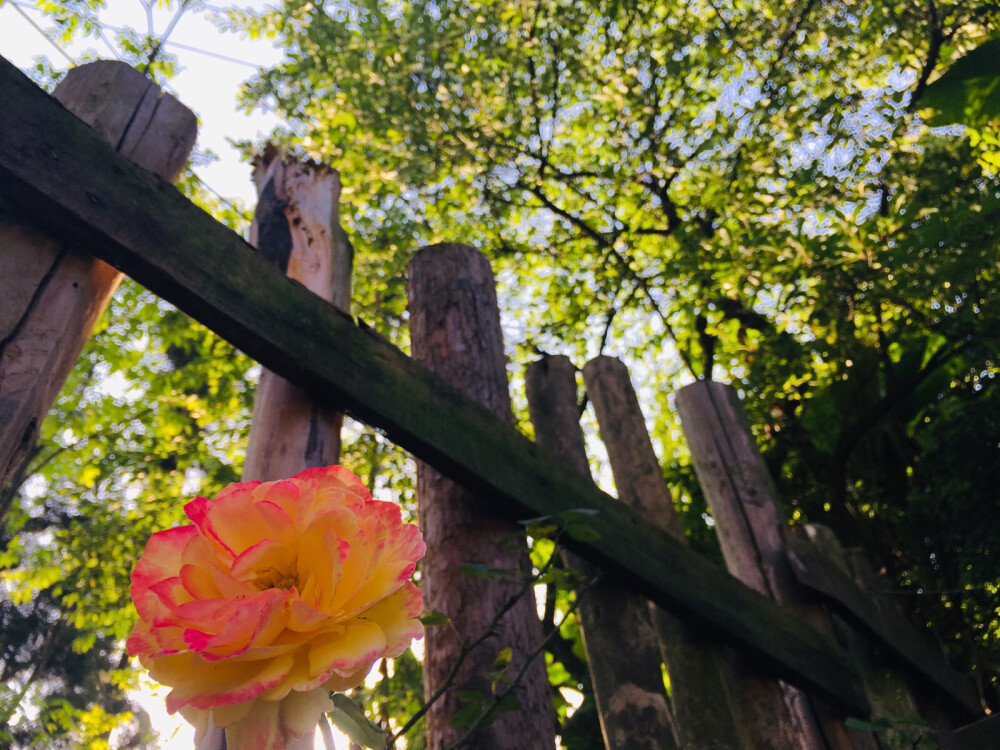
350	719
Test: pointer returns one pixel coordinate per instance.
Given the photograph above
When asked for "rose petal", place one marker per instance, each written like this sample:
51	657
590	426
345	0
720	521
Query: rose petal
266	560
396	615
171	593
395	549
301	711
206	685
304	618
162	556
261	729
284	497
256	621
360	643
225	716
320	561
210	582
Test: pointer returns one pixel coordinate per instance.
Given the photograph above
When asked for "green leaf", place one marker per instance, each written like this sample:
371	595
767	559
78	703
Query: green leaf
350	719
969	91
577	514
583	533
431	618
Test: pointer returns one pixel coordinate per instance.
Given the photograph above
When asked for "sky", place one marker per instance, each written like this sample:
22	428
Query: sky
213	66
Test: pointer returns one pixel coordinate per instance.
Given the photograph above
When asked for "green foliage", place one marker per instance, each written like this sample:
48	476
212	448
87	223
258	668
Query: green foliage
350	719
968	92
707	189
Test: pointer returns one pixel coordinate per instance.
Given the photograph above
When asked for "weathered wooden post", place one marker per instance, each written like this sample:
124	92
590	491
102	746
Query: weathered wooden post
53	294
701	680
455	331
628	684
297	227
885	688
745	508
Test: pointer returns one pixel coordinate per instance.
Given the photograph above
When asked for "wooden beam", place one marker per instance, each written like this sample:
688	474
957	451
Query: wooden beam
981	735
58	173
899	637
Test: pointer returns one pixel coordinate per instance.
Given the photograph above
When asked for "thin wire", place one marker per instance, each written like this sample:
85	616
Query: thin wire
44	33
107	43
165	86
216	193
211	54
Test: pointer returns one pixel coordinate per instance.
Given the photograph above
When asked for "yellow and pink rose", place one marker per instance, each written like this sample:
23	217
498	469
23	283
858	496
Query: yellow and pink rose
276	594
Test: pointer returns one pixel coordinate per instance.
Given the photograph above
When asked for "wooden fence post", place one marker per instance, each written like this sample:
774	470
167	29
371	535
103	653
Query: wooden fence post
939	714
750	528
53	294
297	228
628	684
886	688
455	331
701	679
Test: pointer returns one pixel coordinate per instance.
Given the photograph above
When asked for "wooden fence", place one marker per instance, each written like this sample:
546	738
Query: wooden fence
784	646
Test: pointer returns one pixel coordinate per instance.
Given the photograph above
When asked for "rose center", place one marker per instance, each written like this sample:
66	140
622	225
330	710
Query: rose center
272	578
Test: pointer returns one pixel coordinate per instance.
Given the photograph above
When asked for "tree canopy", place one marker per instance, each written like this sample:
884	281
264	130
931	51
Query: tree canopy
801	199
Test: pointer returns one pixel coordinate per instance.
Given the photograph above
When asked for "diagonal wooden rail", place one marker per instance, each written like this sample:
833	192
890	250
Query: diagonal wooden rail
60	176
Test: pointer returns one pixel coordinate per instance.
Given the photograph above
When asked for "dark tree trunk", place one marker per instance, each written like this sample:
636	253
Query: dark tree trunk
455	331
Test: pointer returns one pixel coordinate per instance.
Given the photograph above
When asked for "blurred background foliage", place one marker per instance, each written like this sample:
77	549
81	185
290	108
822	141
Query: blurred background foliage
797	198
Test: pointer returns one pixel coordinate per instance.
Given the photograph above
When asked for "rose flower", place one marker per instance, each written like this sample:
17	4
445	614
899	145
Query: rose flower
277	594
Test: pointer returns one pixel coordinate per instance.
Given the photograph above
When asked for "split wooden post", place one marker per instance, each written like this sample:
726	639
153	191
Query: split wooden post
52	293
702	683
628	685
744	505
455	331
297	228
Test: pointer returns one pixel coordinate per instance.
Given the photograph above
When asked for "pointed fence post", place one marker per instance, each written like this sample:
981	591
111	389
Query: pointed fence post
628	684
702	684
745	508
297	227
455	331
52	294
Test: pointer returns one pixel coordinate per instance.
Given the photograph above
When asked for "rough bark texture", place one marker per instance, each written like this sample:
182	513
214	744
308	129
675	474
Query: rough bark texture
297	228
744	504
702	682
52	293
628	684
455	331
